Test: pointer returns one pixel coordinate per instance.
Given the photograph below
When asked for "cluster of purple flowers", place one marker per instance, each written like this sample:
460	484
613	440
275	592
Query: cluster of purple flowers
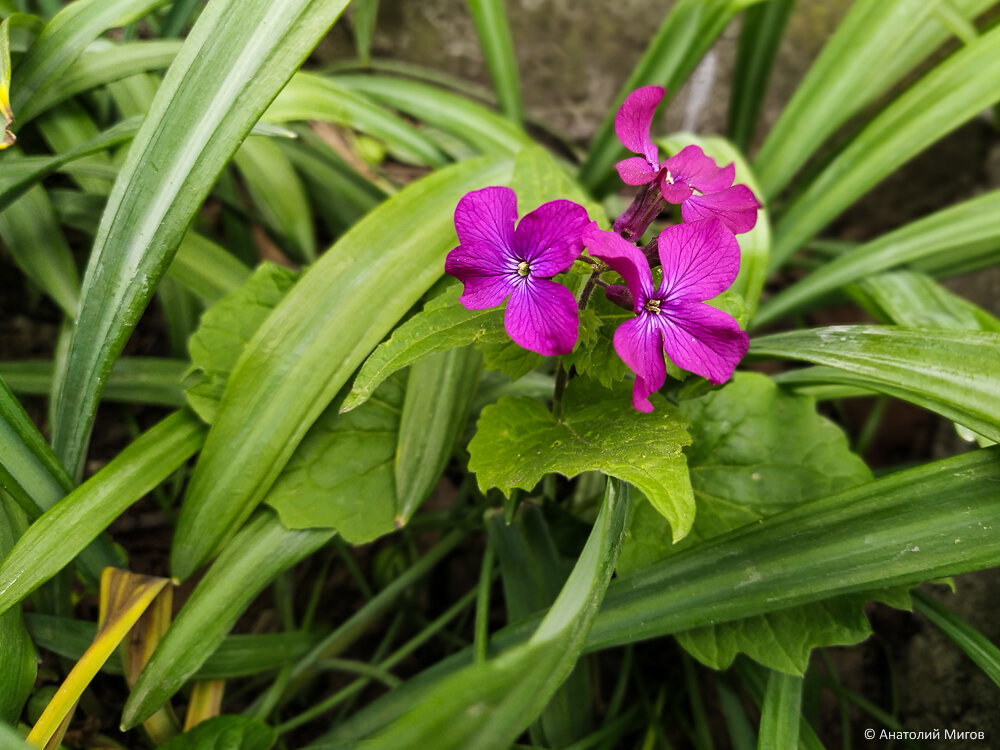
499	259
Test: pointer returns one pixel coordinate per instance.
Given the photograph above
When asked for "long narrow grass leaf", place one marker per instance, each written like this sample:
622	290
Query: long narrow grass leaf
236	59
144	380
498	49
952	93
313	97
688	30
779	721
975	645
760	38
101	66
365	18
261	550
966	229
952	373
310	344
65	530
466	120
875	46
64	39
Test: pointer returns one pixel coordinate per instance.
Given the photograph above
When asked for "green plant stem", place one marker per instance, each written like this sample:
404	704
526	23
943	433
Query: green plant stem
351	630
562	374
483	604
365	669
405	650
562	377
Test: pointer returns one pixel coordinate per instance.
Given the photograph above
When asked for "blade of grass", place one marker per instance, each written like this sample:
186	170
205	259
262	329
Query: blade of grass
64	39
178	17
498	49
20	174
952	373
237	656
975	645
311	344
952	93
144	380
365	17
99	67
30	230
35	479
206	269
278	194
779	720
68	527
118	615
236	59
760	38
473	123
875	46
313	97
18	662
684	36
255	556
966	228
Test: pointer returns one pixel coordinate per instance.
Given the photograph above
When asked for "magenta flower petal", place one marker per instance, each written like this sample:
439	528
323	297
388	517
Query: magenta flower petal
674	192
487	216
636	171
625	258
485	272
634	119
550	237
700	260
542	316
703	340
496	261
691	166
639	342
736	207
720	180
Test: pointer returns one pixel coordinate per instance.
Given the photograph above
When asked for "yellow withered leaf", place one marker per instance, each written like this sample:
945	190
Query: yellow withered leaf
125	597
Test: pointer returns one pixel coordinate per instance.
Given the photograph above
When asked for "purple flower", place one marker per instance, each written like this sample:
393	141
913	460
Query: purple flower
495	262
690	178
700	260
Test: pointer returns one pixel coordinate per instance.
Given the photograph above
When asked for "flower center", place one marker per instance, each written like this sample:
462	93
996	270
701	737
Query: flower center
669	178
523	269
652	306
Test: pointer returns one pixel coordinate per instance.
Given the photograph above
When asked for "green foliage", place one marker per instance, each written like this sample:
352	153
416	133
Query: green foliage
262	550
342	473
949	372
230	732
63	531
225	330
339	396
442	325
488	705
755	452
518	441
149	212
18	665
307	349
952	93
944	242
